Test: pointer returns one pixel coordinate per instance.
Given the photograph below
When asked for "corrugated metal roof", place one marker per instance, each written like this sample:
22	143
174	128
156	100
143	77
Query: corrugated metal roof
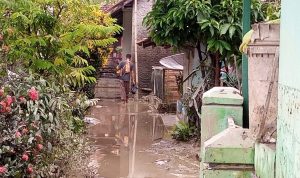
173	62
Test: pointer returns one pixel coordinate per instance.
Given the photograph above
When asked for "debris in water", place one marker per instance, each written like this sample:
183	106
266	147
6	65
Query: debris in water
91	120
99	106
161	162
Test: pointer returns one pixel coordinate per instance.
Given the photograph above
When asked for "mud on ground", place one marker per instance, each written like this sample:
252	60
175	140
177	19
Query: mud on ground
132	141
179	158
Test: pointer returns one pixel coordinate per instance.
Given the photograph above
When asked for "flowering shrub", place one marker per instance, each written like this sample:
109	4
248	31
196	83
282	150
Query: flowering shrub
37	121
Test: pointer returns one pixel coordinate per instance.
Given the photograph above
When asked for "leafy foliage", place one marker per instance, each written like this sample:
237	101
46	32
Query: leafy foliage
182	131
37	120
47	36
272	10
214	27
41	119
183	23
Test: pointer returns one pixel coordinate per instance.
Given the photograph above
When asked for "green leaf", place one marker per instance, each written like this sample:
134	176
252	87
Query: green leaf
232	30
221	49
215	24
204	24
59	61
211	44
42	64
212	31
225	45
224	28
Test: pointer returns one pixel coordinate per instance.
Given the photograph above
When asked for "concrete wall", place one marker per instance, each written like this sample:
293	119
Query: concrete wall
265	157
127	32
191	62
150	56
288	143
263	70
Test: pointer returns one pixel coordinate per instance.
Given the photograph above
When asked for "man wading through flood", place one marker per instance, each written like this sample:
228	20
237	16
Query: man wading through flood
126	72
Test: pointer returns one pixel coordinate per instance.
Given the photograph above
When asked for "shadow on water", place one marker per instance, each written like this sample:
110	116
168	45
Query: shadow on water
120	136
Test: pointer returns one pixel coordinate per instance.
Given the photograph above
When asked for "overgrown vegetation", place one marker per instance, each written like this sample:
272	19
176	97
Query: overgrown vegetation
213	27
215	24
50	50
37	122
183	131
50	37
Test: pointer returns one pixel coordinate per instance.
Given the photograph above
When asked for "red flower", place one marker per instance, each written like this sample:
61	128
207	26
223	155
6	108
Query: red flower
2	170
9	100
24	131
40	147
3	107
25	157
22	99
33	94
38	137
33	125
29	170
1	92
18	134
8	109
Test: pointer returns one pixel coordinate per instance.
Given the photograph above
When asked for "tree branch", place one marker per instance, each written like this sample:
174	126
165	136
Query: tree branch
60	9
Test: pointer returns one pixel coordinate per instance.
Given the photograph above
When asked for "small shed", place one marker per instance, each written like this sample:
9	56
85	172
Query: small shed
165	84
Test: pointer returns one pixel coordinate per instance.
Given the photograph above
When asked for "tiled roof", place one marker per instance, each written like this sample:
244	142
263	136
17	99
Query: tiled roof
105	7
117	5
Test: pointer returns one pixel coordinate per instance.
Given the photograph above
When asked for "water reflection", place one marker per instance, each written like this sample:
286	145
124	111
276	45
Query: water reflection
121	136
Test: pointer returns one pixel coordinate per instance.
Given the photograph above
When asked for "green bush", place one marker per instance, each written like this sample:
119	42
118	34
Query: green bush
183	132
41	119
49	37
37	126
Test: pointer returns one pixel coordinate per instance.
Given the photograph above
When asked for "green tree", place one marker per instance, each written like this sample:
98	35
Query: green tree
49	36
186	24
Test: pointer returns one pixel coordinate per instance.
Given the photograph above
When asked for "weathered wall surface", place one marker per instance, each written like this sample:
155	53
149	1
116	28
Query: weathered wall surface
263	80
190	64
147	57
265	156
127	32
288	143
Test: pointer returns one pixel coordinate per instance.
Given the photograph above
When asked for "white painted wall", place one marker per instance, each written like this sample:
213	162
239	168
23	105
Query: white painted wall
127	32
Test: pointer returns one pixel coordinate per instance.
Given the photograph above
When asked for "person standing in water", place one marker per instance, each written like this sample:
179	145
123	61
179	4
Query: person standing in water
126	73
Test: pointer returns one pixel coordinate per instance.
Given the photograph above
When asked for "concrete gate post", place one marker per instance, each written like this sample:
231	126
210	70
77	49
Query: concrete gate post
219	104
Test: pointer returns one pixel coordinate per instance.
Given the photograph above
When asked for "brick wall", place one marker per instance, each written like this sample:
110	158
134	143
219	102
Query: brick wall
147	57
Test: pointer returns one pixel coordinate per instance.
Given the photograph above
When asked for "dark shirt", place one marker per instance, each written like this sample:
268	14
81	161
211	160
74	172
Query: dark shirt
126	76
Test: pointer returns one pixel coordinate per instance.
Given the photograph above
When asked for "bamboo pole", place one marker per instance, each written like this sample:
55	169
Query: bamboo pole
135	47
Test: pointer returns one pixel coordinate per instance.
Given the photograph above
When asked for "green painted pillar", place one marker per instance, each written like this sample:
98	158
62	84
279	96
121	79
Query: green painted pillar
246	28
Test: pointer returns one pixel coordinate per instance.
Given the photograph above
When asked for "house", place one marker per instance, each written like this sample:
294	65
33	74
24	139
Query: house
134	38
146	55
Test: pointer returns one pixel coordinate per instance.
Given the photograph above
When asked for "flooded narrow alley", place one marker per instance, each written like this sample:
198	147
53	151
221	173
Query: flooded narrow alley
132	141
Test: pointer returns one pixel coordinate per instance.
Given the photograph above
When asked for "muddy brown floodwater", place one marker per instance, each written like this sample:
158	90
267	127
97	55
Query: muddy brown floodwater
132	141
